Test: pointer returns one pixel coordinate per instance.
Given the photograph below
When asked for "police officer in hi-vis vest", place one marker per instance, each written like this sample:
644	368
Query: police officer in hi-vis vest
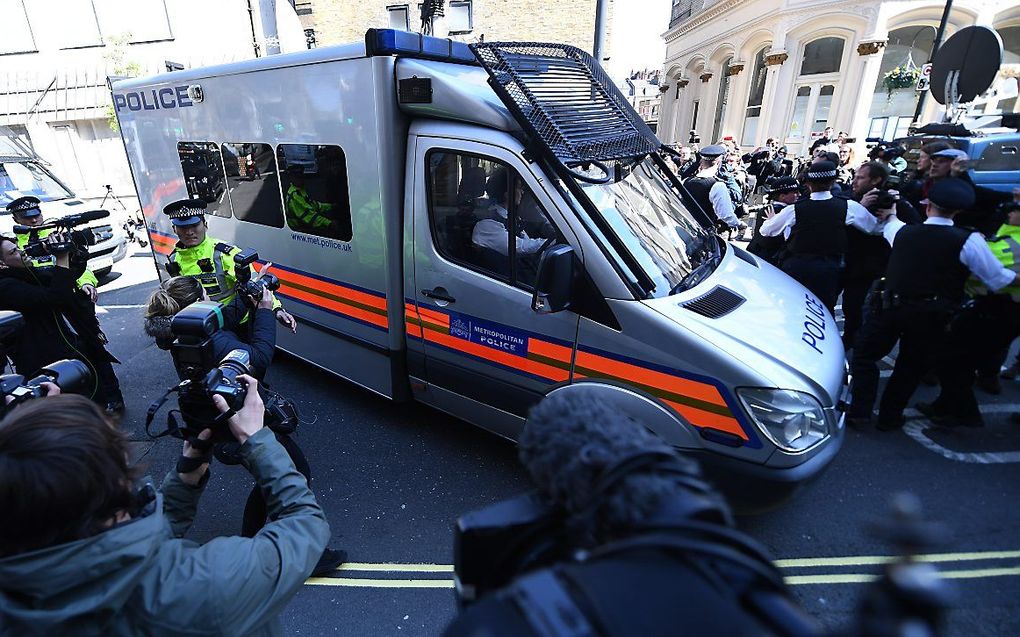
208	260
923	288
983	330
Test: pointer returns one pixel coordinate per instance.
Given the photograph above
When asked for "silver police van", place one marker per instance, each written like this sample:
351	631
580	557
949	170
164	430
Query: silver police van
475	227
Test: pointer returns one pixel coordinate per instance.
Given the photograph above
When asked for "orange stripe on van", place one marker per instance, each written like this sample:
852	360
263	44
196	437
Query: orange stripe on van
701	418
414	330
330	288
549	350
633	373
434	316
336	306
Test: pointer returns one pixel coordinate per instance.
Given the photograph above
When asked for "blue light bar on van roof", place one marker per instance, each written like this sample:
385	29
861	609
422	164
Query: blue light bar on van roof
416	45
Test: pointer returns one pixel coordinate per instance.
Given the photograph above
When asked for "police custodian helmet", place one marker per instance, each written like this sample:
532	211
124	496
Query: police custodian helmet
25	207
186	212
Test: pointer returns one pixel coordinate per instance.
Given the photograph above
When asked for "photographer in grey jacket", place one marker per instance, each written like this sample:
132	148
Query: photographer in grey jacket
83	551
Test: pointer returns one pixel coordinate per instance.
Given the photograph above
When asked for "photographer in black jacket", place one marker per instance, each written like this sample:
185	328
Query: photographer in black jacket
867	255
179	292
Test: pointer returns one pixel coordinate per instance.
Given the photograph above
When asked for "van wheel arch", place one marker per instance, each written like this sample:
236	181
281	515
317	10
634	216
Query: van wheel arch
642	407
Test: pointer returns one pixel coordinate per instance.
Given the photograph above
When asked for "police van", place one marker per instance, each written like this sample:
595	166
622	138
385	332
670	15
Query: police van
475	227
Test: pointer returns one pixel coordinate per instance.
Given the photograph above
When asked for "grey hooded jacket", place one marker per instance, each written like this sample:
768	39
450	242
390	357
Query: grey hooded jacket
141	578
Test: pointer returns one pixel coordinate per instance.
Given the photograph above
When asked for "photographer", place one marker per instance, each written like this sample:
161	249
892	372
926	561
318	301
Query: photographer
623	538
26	212
44	301
868	254
178	293
83	550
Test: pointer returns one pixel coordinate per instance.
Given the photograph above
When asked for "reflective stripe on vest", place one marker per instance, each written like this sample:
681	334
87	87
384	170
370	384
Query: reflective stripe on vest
215	283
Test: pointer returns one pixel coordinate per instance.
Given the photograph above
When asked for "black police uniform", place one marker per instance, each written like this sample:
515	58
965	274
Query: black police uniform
924	285
817	244
771	248
867	256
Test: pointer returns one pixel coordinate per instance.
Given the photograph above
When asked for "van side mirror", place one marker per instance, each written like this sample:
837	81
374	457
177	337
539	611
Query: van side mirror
554	280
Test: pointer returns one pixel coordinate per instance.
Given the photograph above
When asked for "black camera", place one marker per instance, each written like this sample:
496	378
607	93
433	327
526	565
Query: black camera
246	285
885	199
204	377
71	376
76	240
694	138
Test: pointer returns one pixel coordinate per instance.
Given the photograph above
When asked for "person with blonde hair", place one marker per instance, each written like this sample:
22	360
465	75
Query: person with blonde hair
179	292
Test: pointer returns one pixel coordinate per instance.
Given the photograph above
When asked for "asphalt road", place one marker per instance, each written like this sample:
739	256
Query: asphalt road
393	478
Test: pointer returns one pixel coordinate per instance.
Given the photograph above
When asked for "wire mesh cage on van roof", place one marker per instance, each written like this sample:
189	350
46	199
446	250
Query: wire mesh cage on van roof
566	100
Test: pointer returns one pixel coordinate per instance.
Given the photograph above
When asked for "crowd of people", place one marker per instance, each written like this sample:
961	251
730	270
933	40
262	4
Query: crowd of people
920	257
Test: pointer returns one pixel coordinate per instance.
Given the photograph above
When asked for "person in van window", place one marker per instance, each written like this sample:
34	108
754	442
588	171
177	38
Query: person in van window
304	213
492	233
204	258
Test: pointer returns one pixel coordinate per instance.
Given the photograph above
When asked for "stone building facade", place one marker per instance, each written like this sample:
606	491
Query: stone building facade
567	21
786	69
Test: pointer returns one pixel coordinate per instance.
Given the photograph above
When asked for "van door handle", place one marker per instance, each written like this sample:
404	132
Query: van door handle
438	294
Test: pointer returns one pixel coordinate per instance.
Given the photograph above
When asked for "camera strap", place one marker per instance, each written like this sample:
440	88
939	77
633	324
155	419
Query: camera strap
173	427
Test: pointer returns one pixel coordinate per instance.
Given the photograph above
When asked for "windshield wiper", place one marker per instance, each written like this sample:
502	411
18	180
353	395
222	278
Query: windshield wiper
695	276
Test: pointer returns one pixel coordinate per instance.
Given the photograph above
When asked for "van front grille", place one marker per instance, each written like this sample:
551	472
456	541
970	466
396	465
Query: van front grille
719	301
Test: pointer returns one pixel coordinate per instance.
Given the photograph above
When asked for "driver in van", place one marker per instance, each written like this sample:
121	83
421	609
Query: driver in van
492	233
210	261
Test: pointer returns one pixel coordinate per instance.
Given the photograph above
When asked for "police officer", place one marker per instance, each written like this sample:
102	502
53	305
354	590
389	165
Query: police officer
90	341
26	212
924	284
710	192
305	214
982	331
816	232
210	261
782	192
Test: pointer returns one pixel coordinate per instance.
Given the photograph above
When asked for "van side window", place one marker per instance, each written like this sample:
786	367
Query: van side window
315	191
252	183
477	205
202	166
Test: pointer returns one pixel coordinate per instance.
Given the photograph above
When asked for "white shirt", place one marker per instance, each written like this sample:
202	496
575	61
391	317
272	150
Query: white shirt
856	216
719	195
975	254
492	234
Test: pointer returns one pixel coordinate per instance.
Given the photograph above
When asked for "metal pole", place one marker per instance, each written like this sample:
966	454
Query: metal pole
934	50
601	12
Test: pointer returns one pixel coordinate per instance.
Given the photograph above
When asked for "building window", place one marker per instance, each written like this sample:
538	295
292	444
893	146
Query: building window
77	25
824	55
721	99
459	18
822	109
755	96
800	107
17	35
142	20
907	47
252	183
315	190
399	17
202	166
694	117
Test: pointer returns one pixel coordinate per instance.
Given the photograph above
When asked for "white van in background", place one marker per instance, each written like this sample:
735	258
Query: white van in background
23	173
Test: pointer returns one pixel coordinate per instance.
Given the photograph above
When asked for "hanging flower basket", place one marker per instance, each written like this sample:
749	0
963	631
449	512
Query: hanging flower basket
900	77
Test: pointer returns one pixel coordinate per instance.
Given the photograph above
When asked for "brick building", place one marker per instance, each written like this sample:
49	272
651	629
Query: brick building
566	21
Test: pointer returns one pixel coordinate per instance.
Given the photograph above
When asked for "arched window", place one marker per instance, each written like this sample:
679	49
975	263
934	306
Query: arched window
720	102
755	96
892	106
824	55
1010	44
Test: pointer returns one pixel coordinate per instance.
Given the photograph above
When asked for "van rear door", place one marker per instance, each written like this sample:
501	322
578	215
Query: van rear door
481	221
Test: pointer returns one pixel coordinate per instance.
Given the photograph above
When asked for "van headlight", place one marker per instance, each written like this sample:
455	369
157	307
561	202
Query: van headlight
793	420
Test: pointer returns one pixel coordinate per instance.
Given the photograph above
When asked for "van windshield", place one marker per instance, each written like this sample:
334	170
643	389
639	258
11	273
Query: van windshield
27	178
651	221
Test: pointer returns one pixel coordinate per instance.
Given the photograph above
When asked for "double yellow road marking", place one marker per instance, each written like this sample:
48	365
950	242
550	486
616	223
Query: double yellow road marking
396	575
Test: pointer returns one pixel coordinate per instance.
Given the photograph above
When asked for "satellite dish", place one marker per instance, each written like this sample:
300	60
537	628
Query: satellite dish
965	66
